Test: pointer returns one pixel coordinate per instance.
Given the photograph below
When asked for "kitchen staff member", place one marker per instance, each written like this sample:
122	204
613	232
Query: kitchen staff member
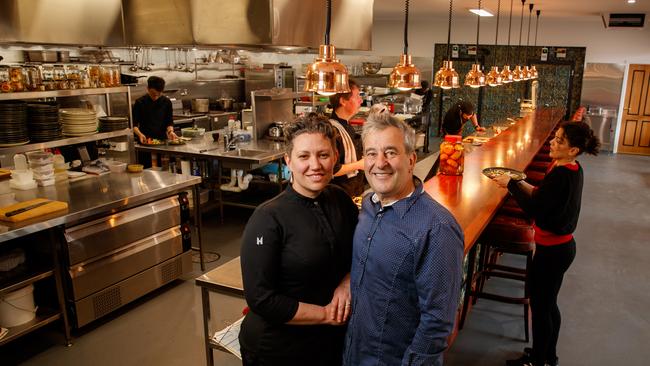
456	117
152	113
348	142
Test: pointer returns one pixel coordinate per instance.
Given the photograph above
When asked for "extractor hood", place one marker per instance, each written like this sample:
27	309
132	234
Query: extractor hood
247	23
69	22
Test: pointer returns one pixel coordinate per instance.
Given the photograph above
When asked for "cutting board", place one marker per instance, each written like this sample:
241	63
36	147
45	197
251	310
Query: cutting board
52	206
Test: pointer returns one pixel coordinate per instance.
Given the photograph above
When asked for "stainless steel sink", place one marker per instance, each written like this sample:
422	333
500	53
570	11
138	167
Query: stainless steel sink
245	153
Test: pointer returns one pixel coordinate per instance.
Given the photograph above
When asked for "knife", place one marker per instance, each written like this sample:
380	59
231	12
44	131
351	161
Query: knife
211	149
24	209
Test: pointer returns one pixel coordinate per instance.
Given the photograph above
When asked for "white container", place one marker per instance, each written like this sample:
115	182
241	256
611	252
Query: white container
116	166
17	307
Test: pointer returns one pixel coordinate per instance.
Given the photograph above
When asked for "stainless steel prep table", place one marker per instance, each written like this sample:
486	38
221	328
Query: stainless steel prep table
247	156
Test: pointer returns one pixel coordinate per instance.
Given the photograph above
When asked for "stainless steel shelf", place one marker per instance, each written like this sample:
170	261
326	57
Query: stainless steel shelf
43	317
62	93
66	141
25	282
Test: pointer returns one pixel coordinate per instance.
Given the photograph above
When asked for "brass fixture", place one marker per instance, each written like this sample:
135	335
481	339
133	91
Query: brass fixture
405	76
447	77
528	73
534	69
518	73
327	76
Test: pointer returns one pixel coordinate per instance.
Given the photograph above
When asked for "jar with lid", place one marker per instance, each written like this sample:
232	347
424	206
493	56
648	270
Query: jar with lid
5	80
106	79
115	75
34	78
47	72
60	79
452	155
84	77
73	76
17	76
94	72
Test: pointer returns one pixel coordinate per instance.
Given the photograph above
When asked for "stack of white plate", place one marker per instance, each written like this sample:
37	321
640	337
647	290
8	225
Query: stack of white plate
78	121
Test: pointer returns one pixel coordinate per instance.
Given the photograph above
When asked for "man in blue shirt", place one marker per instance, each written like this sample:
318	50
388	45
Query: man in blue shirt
407	259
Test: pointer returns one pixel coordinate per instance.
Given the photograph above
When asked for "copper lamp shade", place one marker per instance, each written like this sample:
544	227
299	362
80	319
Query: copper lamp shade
446	77
405	75
527	74
493	77
327	76
475	77
534	72
517	74
507	76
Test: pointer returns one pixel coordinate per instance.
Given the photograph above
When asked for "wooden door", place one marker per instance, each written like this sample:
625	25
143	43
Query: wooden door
634	136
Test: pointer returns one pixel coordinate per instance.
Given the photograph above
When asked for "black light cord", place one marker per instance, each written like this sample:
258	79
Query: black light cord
496	37
537	26
449	31
509	33
521	28
530	14
328	23
406	27
478	28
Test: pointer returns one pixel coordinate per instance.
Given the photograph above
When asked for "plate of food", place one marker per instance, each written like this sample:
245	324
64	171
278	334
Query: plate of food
494	172
153	142
176	142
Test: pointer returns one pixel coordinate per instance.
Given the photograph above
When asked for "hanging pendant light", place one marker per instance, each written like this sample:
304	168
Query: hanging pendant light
405	76
506	74
528	74
327	76
475	77
533	69
447	77
493	78
518	73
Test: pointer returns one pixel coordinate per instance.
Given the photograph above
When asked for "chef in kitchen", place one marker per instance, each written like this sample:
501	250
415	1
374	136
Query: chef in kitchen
152	116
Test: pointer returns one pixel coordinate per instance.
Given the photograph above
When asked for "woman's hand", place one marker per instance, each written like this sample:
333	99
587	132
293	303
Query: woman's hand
142	138
338	309
479	128
502	180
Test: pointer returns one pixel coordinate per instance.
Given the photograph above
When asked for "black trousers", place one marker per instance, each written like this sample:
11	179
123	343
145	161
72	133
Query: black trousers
548	268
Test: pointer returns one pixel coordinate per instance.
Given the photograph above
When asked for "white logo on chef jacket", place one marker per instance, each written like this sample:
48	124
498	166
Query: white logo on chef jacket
260	240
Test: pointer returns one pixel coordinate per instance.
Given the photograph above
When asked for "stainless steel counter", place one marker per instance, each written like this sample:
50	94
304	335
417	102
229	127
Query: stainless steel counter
247	153
94	196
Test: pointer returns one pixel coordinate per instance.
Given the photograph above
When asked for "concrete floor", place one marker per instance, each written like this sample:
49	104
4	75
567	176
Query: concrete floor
604	299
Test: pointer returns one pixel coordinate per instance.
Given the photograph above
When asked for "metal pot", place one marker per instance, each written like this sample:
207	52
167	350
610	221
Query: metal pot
226	103
276	129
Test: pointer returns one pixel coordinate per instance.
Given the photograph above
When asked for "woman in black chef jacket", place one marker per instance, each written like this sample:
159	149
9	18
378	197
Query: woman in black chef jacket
555	207
456	117
295	257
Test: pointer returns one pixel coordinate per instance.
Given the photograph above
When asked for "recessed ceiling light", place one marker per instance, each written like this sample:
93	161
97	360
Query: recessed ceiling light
631	1
482	12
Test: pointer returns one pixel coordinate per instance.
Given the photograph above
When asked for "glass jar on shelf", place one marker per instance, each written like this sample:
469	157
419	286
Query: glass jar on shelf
84	77
73	76
5	80
452	155
47	72
115	75
34	78
106	79
17	76
95	73
60	78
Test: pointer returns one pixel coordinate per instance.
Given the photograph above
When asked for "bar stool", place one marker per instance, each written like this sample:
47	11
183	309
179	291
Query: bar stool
505	234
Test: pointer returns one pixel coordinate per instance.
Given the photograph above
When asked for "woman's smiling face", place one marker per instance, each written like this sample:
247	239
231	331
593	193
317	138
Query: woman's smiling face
311	161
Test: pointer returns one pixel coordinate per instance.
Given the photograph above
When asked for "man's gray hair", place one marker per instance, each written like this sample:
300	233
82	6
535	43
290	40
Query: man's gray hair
381	121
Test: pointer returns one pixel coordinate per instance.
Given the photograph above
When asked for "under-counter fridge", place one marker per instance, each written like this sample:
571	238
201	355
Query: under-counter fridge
602	85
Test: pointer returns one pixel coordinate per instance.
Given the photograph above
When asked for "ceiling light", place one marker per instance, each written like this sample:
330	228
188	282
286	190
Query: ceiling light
405	75
481	12
631	1
327	76
493	78
518	71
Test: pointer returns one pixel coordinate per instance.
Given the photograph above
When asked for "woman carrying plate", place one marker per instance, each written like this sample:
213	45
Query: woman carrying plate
555	207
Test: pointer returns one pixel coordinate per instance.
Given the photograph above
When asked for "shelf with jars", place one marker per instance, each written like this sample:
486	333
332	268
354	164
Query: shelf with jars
32	77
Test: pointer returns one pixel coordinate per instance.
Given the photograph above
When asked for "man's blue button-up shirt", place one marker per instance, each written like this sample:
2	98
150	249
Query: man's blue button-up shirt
405	282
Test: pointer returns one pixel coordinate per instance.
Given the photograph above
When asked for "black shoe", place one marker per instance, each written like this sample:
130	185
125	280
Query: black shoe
528	351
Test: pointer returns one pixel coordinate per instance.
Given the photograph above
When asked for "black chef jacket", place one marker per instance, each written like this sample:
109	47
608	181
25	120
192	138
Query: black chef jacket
153	118
453	122
295	249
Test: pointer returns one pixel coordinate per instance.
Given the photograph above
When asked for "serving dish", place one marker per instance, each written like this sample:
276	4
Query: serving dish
493	172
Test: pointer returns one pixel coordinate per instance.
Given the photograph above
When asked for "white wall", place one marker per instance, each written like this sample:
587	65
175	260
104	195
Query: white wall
603	45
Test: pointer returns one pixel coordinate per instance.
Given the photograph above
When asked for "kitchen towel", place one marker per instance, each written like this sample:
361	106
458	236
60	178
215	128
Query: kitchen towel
51	206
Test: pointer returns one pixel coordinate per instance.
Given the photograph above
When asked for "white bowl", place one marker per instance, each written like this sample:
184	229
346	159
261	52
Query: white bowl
116	166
